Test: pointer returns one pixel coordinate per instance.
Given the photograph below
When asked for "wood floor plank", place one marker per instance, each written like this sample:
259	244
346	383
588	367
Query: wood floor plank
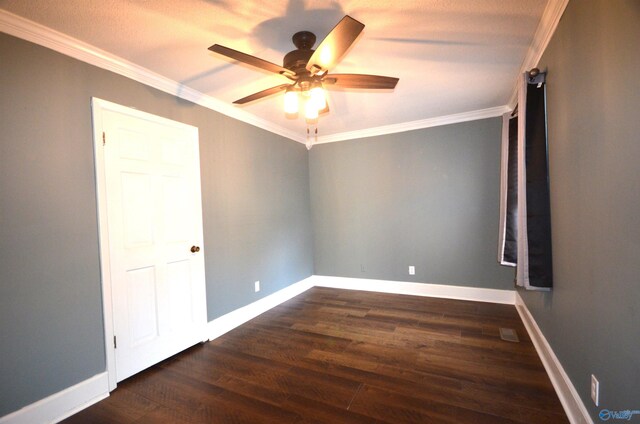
318	413
343	356
397	408
324	388
120	406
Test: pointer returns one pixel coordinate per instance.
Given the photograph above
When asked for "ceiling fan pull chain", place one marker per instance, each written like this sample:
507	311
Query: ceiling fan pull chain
310	141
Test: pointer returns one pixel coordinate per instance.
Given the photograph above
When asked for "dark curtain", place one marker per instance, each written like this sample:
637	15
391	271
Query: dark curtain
538	204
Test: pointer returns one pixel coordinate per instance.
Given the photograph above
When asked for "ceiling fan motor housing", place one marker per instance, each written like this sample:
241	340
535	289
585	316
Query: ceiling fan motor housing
297	60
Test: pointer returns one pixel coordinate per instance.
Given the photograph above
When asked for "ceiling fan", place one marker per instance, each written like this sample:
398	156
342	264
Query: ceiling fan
309	70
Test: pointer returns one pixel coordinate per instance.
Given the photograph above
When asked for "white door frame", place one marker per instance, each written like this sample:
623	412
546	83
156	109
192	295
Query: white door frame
98	107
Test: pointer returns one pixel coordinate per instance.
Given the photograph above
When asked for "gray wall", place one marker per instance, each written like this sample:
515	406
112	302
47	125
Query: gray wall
591	318
255	205
427	198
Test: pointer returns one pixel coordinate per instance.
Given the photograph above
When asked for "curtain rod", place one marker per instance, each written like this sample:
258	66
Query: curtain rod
534	76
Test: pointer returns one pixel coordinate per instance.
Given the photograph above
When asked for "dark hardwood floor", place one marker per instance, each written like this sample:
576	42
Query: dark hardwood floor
341	356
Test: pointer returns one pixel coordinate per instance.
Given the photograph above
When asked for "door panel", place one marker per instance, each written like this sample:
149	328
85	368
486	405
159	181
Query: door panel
181	305
137	207
176	209
142	308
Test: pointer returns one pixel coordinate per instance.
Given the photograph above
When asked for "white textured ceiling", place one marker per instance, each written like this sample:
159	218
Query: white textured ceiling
452	56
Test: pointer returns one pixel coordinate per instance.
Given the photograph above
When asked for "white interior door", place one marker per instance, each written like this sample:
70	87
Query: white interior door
154	230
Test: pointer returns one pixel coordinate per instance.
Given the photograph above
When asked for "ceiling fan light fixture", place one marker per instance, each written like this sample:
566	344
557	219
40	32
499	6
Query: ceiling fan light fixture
318	96
291	102
310	112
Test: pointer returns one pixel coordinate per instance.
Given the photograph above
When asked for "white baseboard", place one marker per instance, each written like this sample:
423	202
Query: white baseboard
228	322
571	401
63	404
417	289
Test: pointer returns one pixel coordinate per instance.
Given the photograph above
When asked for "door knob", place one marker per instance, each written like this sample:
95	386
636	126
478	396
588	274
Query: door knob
195	249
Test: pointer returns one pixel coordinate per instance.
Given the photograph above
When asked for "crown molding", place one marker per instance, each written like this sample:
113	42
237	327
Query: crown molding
415	125
25	29
546	28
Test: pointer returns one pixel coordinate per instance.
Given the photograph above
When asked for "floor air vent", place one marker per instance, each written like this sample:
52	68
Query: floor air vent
509	334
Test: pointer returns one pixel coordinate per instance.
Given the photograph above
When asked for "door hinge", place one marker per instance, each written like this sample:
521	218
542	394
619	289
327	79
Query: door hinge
115	343
104	138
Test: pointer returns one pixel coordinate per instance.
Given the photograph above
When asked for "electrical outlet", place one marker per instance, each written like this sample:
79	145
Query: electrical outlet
257	286
595	389
412	270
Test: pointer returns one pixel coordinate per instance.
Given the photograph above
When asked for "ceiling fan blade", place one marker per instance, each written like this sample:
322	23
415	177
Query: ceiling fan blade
360	81
261	94
335	45
251	60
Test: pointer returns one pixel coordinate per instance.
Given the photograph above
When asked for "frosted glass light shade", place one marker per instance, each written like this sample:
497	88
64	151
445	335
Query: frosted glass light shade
310	110
290	102
318	97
